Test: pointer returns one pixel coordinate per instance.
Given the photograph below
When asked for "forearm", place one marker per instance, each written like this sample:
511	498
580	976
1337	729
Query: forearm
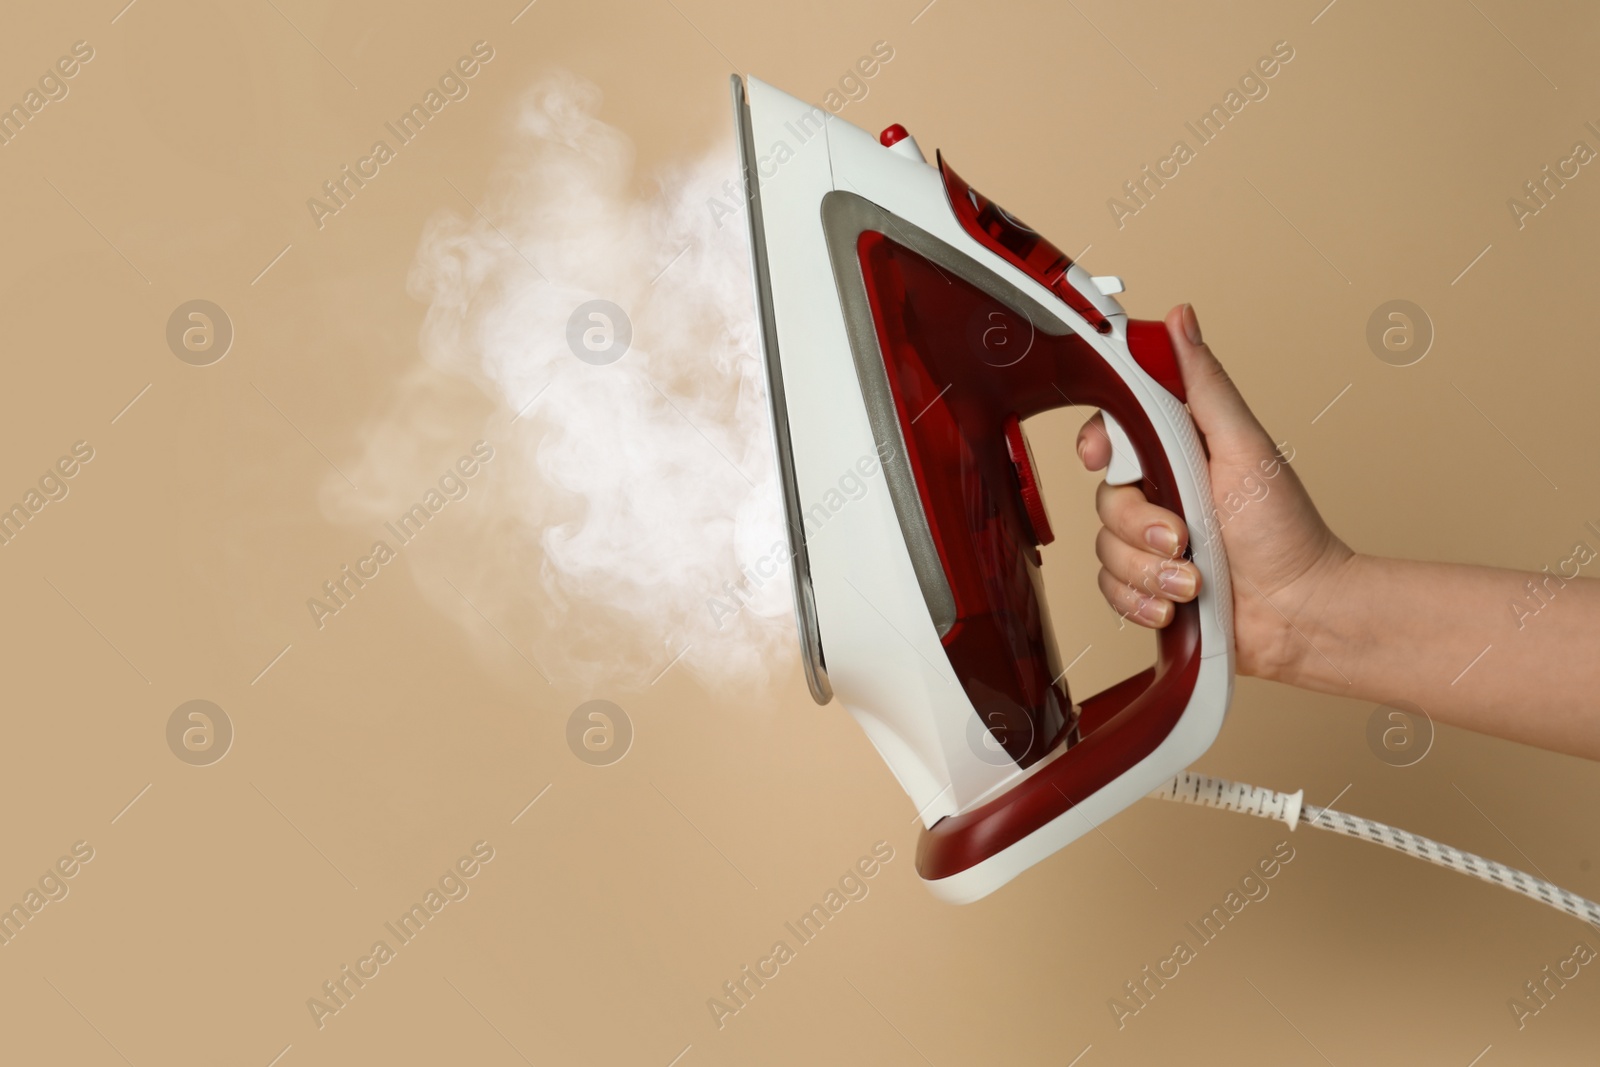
1508	653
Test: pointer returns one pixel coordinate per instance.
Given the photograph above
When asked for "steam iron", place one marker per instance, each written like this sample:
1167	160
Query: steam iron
910	327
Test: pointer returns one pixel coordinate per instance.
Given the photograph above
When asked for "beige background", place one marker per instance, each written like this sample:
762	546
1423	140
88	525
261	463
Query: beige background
373	753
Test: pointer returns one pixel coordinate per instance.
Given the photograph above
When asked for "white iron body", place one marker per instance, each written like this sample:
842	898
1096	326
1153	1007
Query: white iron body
884	658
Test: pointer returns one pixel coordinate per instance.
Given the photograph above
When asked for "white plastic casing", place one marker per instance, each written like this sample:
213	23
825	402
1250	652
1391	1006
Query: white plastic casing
884	659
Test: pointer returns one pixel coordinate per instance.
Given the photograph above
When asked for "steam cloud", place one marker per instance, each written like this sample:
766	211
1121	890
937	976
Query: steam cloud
630	494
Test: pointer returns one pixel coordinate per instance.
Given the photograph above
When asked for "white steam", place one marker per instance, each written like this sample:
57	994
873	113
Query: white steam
629	504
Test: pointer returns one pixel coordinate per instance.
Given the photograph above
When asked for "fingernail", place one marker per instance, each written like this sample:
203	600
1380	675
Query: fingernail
1176	580
1191	325
1161	539
1080	447
1152	609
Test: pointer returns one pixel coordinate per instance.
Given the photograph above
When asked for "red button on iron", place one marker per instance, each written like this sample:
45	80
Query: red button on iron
1032	499
892	134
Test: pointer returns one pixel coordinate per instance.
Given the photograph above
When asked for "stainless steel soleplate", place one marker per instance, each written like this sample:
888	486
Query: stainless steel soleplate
805	608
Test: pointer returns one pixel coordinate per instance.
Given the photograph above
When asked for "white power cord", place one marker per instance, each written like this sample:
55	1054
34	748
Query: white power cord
1288	808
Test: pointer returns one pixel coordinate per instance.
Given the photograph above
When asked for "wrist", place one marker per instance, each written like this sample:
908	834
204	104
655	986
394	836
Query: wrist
1335	622
1315	622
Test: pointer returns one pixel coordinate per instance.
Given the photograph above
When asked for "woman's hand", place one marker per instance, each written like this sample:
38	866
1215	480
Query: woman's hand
1280	552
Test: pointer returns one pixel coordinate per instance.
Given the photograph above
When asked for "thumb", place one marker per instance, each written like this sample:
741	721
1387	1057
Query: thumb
1218	408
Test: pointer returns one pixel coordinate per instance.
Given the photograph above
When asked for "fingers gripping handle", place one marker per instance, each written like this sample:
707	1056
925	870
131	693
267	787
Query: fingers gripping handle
1153	440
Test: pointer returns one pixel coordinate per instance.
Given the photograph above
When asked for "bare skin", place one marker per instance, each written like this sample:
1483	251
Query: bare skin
1311	612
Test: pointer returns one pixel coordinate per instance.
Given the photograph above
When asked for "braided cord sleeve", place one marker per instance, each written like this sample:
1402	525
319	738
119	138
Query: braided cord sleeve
1190	788
1202	789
